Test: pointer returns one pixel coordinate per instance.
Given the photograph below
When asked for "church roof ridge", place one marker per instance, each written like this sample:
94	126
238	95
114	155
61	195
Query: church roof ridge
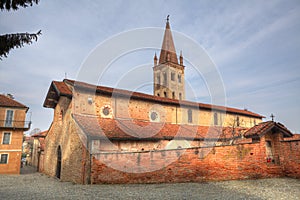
62	89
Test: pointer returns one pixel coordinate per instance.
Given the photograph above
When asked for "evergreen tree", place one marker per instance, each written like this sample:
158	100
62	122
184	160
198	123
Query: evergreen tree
16	40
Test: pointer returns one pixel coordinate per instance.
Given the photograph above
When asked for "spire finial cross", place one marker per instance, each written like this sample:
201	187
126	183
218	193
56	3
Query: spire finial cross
168	18
272	116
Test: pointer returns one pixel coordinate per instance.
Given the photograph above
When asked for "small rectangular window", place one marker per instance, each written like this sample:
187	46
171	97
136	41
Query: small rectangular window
4	159
216	122
179	78
190	116
9	118
6	138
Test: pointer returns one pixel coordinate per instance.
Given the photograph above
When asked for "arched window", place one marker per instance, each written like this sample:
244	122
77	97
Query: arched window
165	79
165	94
216	119
172	76
190	116
158	79
180	96
173	95
237	121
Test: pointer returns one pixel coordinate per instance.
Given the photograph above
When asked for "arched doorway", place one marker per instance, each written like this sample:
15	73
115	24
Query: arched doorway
58	165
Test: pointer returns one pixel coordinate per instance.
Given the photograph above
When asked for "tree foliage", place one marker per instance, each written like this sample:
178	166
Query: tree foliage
15	4
16	40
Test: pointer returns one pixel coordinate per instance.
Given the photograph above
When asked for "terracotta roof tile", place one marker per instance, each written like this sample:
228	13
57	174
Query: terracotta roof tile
56	90
41	134
141	130
8	102
62	88
264	127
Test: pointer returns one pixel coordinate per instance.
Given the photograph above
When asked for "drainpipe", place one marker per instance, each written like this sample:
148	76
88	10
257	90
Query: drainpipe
90	178
89	148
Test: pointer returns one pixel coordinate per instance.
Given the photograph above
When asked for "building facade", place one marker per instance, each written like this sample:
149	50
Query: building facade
12	126
107	135
37	158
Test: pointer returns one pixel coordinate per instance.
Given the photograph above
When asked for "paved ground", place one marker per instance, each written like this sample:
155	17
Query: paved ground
32	185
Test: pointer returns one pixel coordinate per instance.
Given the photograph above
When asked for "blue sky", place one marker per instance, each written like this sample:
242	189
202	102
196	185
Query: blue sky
255	46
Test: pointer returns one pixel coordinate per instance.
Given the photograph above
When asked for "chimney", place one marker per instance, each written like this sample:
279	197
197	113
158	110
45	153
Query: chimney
10	96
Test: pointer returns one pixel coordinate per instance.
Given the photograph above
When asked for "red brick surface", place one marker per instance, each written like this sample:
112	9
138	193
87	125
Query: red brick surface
245	161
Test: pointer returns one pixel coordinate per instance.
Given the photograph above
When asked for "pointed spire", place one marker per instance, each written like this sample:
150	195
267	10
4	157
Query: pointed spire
155	59
181	58
168	53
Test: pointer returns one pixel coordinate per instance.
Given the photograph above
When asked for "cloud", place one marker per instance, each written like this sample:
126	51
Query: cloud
255	45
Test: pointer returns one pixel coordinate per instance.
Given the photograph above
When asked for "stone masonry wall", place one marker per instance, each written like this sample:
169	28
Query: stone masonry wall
139	109
64	133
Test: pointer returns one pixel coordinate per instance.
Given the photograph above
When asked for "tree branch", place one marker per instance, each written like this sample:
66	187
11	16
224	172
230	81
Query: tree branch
17	40
15	4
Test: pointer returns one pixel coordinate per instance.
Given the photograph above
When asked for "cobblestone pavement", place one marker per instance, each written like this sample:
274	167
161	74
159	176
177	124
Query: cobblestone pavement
38	186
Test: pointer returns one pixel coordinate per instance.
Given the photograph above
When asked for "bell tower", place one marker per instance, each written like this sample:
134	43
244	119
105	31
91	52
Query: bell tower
168	74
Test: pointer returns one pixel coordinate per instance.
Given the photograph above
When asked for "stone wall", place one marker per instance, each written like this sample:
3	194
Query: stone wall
64	133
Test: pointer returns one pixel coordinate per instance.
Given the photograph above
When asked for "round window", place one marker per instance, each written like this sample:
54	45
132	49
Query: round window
154	116
106	111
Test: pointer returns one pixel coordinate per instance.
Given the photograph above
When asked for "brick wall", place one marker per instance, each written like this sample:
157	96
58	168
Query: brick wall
195	164
291	158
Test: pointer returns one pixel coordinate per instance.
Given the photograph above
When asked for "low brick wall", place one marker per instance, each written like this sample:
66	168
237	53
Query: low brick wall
291	158
196	164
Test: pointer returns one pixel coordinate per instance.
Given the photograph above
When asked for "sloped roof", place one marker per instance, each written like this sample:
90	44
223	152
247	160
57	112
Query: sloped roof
264	127
168	47
41	134
121	129
8	102
61	88
296	137
57	89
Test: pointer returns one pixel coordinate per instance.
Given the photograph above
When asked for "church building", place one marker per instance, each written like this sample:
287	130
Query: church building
108	135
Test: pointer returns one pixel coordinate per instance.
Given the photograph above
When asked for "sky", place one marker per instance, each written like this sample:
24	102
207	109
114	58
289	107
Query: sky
254	45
